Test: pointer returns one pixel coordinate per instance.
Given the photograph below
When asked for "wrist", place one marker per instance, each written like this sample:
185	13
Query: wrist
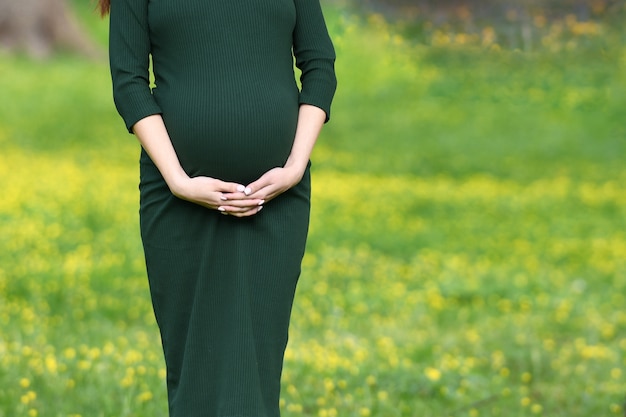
177	182
298	164
296	169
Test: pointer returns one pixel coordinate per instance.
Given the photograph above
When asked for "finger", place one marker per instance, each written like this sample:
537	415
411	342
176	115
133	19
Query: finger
229	187
234	196
257	188
254	187
240	208
240	202
246	213
266	193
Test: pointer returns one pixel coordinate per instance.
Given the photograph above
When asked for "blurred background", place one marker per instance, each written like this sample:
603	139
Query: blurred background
467	252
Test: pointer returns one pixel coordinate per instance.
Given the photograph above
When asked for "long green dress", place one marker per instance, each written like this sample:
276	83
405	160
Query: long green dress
222	287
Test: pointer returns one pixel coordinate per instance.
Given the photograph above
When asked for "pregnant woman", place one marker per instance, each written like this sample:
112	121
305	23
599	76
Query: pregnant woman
225	133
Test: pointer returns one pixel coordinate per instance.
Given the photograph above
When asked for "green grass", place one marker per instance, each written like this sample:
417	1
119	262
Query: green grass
467	254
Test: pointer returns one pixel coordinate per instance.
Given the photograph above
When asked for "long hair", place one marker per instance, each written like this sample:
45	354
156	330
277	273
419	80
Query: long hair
103	7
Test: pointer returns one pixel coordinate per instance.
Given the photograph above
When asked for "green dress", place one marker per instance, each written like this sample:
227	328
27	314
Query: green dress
222	287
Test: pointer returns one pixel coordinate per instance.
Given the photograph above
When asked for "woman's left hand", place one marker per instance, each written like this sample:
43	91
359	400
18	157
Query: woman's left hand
269	186
278	180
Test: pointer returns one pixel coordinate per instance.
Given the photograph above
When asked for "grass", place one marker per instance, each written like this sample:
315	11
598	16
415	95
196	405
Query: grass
467	255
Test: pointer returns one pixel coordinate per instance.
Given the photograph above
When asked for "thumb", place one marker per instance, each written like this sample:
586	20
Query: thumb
254	187
230	187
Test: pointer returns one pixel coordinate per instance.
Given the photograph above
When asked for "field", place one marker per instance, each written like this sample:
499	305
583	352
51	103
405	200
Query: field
467	254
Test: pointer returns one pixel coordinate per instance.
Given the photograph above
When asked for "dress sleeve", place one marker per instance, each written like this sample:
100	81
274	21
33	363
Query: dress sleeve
315	56
129	57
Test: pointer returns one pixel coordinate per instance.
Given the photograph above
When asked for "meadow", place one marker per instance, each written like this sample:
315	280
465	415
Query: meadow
467	253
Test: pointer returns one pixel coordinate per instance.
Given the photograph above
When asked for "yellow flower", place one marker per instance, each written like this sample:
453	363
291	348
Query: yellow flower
69	353
29	397
144	396
433	374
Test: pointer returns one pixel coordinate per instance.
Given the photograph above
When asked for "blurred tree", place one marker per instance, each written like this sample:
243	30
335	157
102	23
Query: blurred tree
39	27
583	9
519	23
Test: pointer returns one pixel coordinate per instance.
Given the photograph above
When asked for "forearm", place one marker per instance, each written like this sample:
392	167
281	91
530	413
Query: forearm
153	136
310	122
280	179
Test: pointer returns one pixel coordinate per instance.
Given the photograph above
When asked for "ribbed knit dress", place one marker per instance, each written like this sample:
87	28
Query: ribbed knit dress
222	287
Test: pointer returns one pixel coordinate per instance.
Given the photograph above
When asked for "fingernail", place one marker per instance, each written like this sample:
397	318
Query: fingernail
247	191
241	188
221	208
260	208
261	202
223	198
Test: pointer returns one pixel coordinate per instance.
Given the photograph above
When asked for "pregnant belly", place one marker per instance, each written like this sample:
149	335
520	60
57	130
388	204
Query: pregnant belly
231	136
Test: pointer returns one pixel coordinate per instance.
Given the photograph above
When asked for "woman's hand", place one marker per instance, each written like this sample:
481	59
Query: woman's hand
278	180
269	186
210	193
249	200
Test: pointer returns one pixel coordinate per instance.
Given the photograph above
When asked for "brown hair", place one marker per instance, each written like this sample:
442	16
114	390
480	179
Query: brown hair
103	7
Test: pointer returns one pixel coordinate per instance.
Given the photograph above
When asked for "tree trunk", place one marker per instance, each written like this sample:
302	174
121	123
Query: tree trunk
40	27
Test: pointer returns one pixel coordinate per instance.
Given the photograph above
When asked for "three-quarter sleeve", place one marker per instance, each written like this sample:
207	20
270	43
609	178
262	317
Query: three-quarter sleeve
129	57
315	56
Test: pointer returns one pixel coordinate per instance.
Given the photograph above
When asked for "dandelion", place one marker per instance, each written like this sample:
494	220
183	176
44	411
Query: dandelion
108	349
144	396
69	353
29	397
432	374
382	396
329	385
51	364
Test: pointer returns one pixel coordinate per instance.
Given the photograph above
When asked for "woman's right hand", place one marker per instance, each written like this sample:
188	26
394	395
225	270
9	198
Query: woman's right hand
209	192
